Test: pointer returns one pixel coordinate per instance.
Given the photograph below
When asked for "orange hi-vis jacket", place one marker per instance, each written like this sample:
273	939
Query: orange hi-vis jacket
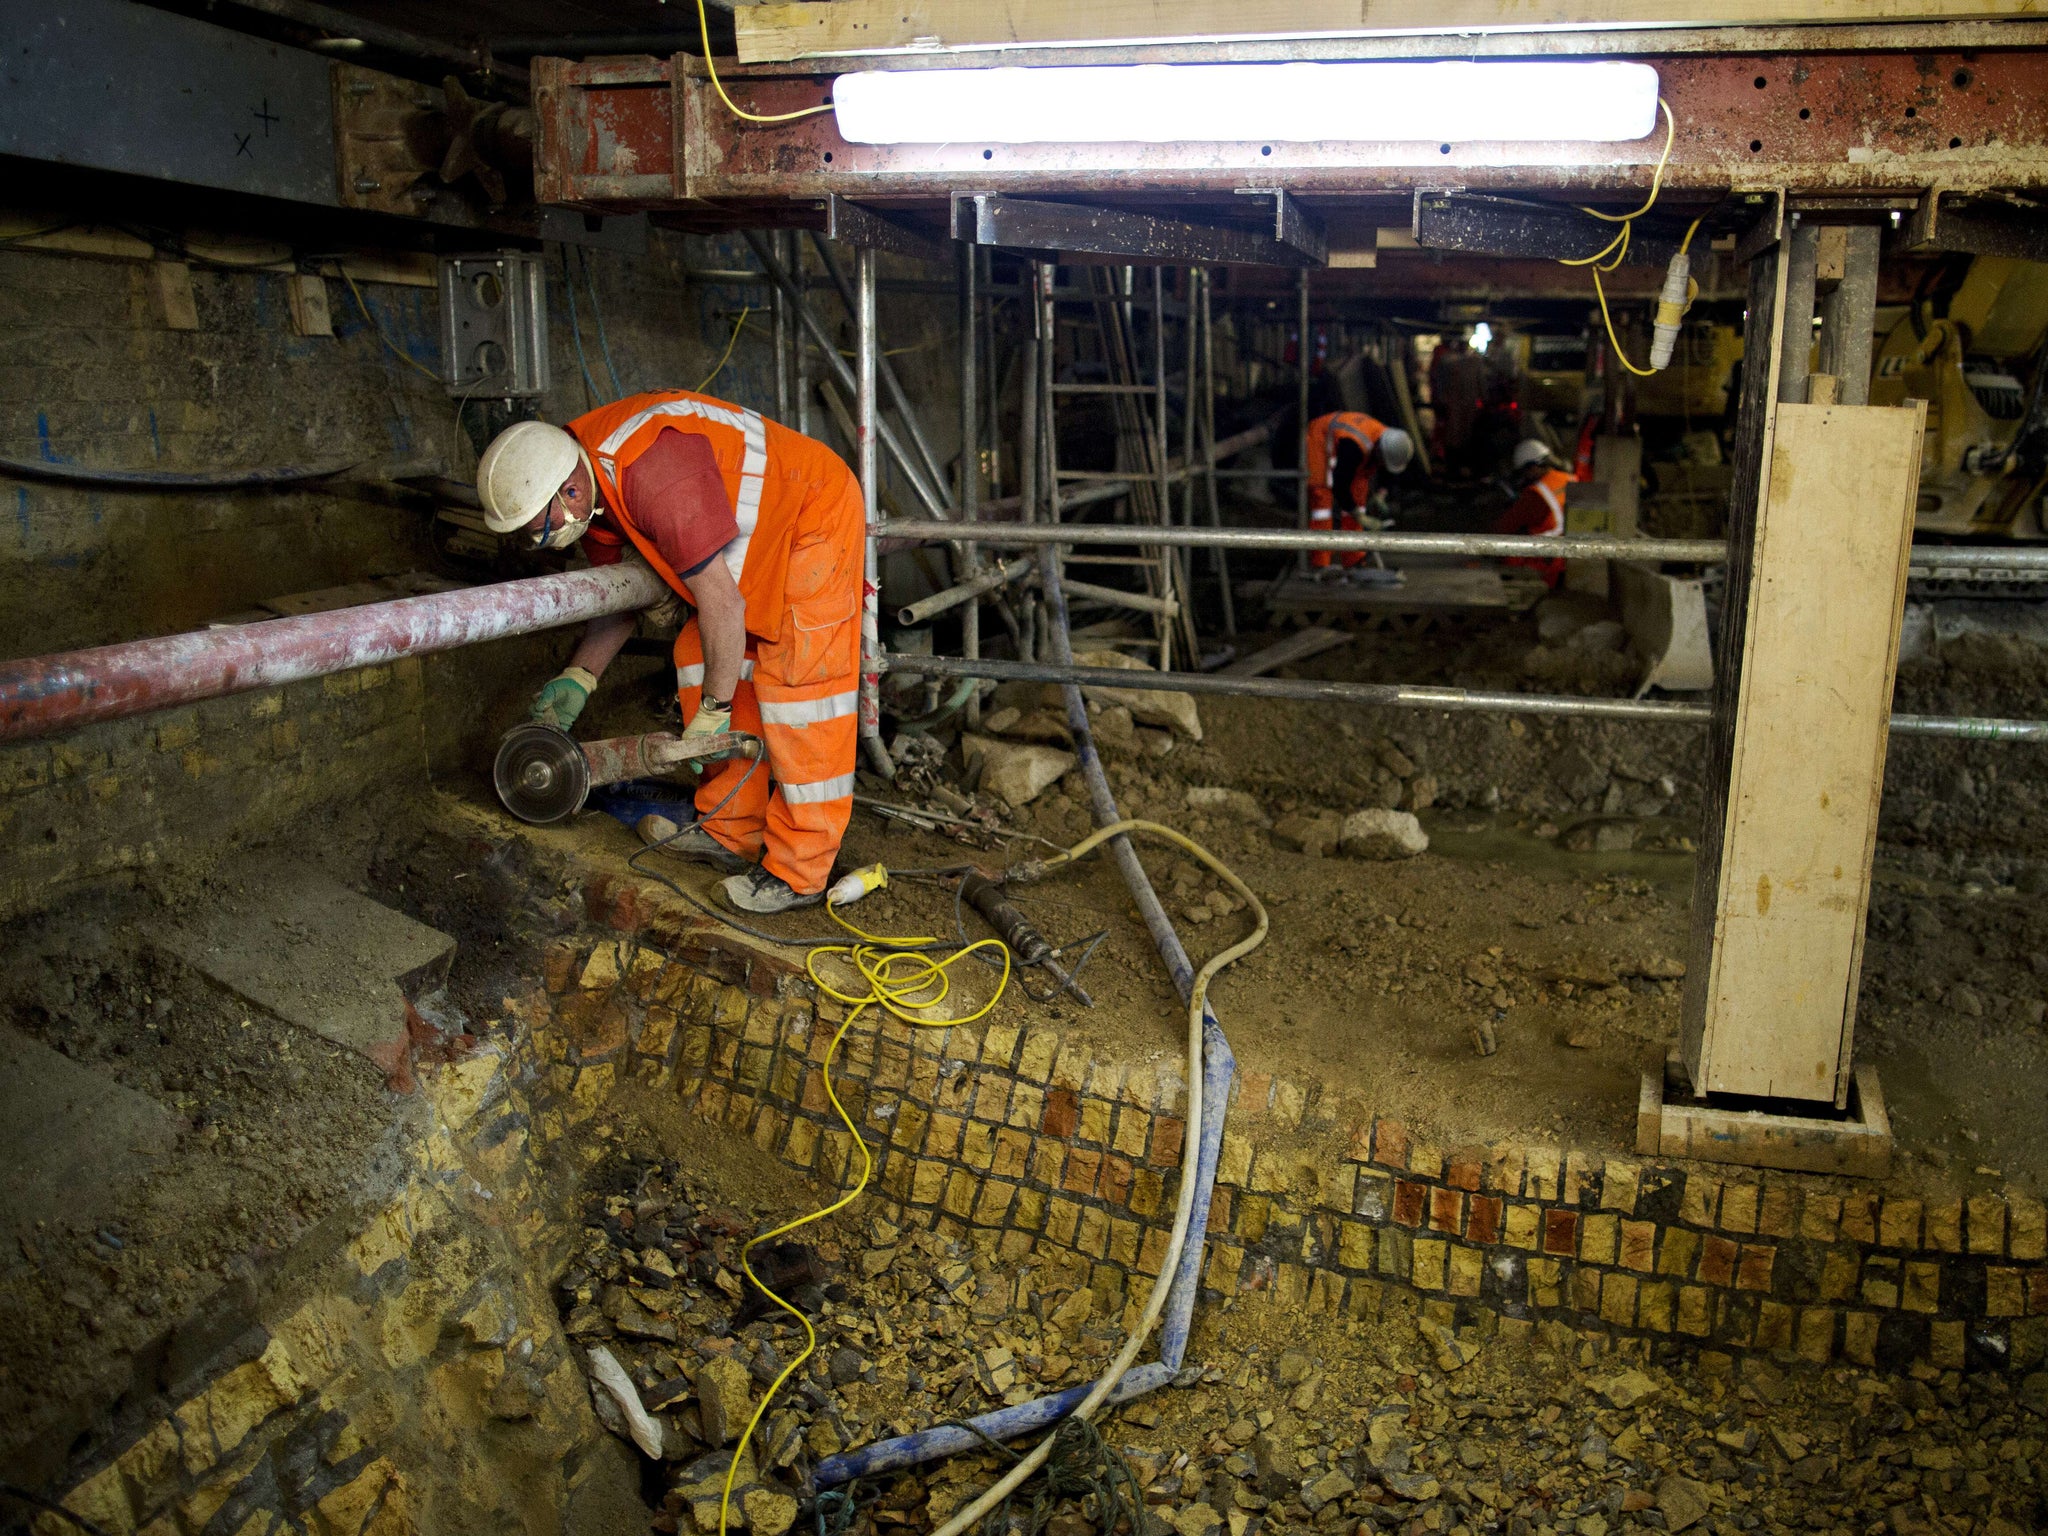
798	562
1539	510
1324	434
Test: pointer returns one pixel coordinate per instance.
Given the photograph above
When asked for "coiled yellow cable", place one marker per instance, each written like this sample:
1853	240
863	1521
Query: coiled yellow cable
902	982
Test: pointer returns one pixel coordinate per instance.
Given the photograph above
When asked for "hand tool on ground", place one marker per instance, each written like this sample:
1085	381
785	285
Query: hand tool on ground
545	775
1024	941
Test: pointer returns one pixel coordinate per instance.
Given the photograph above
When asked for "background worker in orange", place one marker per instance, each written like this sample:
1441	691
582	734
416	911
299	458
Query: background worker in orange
761	530
1539	507
1345	448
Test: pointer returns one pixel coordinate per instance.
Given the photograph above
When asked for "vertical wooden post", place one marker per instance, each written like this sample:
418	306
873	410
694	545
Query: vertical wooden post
1820	533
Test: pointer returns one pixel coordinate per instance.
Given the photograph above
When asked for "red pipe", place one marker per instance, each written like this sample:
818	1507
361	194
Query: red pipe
46	695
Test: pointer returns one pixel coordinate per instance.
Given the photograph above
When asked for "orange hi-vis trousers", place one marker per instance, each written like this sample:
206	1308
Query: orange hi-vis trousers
798	692
1324	434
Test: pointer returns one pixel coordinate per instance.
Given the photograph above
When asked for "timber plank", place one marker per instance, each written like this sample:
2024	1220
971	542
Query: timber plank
770	33
1809	728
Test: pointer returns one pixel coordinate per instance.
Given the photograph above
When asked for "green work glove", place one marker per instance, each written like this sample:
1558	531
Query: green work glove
712	719
562	700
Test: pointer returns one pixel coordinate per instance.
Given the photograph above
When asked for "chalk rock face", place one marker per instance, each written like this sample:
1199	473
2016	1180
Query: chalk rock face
1169	709
1018	772
1378	834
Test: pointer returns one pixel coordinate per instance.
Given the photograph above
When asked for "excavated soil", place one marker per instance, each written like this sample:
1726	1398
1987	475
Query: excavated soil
1382	1422
1377	973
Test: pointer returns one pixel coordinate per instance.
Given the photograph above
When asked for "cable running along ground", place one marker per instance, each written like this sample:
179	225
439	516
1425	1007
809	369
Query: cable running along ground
903	981
902	978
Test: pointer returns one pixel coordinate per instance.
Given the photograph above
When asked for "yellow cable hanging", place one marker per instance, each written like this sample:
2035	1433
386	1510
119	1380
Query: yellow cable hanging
896	977
1618	246
725	356
711	69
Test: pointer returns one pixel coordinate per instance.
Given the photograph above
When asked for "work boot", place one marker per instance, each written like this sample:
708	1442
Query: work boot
691	842
759	891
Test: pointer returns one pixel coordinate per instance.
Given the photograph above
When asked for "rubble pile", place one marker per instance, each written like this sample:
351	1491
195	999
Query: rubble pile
913	1330
1386	1422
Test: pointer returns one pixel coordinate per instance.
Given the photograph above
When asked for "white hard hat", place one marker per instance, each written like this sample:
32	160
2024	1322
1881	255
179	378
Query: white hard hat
1529	451
521	471
1397	450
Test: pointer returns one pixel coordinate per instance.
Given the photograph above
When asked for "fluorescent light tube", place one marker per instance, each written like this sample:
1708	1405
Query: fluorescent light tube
1427	103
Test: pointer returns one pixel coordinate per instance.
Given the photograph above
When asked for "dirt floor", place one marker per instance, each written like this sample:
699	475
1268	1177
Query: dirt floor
1372	985
273	1130
1383	1423
269	1140
1377	972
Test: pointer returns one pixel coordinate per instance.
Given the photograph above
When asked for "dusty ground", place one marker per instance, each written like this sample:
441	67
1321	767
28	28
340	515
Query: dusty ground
1386	1423
277	1135
274	1126
1377	972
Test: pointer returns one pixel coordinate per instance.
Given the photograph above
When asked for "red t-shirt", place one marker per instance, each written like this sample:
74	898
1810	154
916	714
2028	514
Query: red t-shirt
679	505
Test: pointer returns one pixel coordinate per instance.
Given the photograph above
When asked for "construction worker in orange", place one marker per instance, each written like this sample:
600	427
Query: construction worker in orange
1539	505
1346	449
760	530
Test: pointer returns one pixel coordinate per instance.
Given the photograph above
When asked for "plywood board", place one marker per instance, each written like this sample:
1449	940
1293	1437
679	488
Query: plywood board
791	31
1826	589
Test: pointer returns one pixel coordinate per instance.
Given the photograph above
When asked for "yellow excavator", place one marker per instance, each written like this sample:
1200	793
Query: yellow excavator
1979	366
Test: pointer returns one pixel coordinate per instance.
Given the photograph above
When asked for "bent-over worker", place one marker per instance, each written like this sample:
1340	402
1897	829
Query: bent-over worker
761	531
1539	507
1361	444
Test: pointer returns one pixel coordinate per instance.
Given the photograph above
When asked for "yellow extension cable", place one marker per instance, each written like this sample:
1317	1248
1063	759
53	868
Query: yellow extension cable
906	983
897	979
725	356
711	69
1617	248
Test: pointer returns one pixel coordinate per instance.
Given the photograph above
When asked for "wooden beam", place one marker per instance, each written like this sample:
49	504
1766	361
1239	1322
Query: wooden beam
1778	944
771	33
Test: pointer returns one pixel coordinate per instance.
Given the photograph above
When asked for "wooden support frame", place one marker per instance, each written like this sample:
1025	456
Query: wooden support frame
1785	875
1669	1123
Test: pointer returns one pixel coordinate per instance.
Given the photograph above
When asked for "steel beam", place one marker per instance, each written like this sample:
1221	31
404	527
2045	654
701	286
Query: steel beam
1980	228
649	132
1294	225
1494	226
1029	225
850	222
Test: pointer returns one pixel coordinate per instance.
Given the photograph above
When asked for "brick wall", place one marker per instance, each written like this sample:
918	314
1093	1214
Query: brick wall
1016	1140
92	373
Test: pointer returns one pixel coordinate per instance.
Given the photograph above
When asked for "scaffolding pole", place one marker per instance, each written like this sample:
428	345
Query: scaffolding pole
864	349
1414	696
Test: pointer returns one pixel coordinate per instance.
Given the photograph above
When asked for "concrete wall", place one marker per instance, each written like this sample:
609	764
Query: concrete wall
91	374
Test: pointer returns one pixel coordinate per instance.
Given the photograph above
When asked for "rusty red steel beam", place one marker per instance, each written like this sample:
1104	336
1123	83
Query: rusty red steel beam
651	133
47	695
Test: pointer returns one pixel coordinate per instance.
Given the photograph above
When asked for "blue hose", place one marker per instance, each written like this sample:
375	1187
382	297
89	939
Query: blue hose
1219	1066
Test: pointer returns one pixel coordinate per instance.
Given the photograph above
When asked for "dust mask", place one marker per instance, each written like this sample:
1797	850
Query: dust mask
567	534
554	536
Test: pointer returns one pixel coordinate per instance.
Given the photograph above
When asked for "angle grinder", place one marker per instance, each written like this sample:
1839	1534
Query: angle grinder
544	774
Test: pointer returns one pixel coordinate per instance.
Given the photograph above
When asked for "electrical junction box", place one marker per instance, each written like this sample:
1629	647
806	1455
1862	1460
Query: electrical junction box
494	325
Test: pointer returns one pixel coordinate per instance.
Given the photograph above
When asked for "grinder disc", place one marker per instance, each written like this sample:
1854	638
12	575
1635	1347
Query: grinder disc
540	773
